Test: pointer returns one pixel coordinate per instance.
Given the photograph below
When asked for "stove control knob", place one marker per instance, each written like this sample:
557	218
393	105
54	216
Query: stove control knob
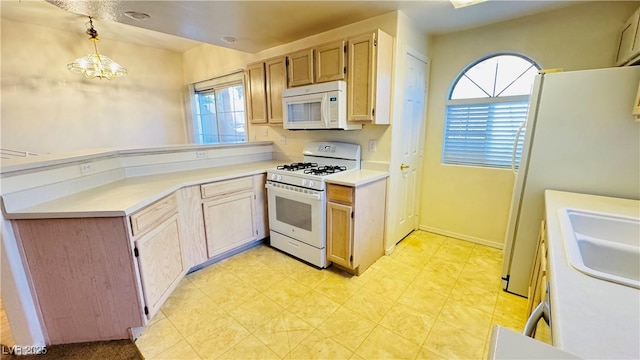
304	182
310	183
273	176
279	177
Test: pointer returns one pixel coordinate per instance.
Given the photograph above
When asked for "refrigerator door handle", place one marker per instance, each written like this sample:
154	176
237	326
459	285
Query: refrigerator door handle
515	147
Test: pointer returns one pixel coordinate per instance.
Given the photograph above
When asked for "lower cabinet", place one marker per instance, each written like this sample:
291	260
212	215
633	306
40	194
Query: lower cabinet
234	213
97	278
538	282
83	274
159	258
228	221
355	224
340	234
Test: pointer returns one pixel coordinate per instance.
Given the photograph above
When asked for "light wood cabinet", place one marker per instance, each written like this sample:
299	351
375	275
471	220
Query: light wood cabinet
256	94
369	68
319	64
330	61
265	82
276	76
97	278
83	274
300	67
159	258
629	41
234	213
191	220
537	282
355	224
340	234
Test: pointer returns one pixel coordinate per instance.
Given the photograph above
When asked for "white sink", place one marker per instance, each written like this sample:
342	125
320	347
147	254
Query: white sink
601	245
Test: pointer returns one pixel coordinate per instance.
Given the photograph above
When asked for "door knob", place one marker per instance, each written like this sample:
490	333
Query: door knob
403	166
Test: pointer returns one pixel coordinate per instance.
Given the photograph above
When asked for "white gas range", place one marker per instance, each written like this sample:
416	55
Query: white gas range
297	200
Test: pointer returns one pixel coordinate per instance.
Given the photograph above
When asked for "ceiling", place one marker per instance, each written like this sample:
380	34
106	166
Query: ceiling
180	25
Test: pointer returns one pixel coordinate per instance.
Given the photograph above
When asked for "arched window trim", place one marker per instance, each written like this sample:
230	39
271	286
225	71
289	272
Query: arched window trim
481	59
489	144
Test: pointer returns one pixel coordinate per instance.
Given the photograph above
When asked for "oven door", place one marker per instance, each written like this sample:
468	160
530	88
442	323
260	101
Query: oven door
298	213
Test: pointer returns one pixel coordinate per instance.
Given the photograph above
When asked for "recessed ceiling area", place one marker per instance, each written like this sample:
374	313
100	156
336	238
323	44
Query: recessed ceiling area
256	25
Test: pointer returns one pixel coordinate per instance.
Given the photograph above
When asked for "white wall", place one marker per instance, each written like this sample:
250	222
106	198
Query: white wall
48	109
473	202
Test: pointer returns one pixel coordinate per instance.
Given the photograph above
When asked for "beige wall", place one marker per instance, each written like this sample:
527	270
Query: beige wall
47	109
474	202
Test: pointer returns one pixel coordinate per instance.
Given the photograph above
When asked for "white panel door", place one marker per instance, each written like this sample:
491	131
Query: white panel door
407	156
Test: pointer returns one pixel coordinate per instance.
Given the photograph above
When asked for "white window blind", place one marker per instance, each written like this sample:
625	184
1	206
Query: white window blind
483	134
488	103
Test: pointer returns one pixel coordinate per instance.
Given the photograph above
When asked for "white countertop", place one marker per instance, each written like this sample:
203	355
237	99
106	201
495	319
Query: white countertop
591	318
127	196
357	178
507	344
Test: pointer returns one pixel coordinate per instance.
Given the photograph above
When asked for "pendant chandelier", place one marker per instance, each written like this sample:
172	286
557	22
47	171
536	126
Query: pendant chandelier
96	65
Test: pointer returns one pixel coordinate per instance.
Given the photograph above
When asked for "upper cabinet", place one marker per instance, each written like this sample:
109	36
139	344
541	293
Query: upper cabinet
319	64
300	66
629	41
364	61
329	61
370	58
276	82
257	95
265	82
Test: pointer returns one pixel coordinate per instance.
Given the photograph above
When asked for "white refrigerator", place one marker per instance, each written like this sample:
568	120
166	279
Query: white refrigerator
580	136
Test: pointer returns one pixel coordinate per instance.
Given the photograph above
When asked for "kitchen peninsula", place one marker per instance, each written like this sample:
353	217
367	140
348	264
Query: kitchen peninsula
128	226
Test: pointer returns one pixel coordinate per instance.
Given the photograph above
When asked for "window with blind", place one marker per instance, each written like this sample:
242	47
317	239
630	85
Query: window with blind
219	110
487	104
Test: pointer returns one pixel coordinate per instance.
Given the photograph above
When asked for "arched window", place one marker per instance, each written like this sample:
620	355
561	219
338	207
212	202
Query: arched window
486	105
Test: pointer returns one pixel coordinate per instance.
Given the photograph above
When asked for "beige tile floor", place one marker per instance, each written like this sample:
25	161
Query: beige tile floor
433	298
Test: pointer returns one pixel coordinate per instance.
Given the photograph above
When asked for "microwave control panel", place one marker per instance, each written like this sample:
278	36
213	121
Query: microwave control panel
333	109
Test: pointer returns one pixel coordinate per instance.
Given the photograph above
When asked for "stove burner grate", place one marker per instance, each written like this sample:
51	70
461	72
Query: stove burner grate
297	166
325	170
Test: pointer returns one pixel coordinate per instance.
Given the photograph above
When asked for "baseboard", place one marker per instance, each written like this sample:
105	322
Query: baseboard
472	239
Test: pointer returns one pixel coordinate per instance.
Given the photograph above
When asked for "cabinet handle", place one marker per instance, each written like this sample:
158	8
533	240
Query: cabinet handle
540	312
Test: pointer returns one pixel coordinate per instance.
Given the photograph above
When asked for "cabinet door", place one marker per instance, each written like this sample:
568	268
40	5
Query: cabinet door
300	66
257	99
160	263
330	62
339	234
276	82
229	222
360	84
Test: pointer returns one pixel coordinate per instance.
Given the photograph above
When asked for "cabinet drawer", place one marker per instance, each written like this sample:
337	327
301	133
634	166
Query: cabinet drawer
340	193
226	187
149	217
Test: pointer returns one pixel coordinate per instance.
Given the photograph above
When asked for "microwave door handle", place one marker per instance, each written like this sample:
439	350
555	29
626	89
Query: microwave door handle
323	112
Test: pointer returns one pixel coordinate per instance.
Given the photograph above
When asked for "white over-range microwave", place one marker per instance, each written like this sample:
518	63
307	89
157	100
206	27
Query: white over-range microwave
317	107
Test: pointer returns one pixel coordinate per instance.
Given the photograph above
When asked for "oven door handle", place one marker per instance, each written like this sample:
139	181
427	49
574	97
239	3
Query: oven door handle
275	188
